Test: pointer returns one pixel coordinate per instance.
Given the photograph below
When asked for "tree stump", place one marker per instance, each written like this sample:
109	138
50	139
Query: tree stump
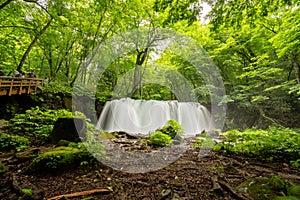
70	129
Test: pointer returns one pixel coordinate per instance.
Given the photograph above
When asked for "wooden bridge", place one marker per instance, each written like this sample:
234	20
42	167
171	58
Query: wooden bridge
11	85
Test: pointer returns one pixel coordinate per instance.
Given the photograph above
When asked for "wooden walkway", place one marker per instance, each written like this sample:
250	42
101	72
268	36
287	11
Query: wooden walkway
11	85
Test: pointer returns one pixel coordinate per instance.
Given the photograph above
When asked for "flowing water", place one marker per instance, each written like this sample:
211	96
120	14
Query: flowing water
144	116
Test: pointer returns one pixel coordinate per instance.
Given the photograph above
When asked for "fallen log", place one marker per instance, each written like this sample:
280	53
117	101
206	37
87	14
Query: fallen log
82	193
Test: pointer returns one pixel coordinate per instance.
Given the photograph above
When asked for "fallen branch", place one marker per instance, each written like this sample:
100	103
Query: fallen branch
83	193
233	192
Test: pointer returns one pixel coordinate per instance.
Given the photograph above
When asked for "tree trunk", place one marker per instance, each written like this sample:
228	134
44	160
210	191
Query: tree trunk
141	58
296	67
38	35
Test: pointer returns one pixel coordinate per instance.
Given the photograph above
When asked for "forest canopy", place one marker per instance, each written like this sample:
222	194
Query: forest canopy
254	45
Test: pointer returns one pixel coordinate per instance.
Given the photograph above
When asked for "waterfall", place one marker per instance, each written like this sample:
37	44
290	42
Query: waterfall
144	116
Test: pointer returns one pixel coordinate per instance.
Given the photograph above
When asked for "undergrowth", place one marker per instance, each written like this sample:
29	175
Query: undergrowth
275	143
38	121
13	142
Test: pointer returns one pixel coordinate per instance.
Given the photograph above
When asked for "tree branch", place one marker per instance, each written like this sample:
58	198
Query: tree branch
24	27
32	44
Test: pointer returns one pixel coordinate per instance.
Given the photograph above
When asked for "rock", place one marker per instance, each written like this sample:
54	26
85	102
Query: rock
164	194
62	143
58	159
65	129
263	188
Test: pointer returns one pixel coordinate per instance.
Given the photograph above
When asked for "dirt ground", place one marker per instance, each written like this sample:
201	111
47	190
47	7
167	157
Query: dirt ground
214	176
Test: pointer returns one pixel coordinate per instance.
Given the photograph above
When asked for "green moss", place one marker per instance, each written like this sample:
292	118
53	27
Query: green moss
13	142
104	135
261	188
58	158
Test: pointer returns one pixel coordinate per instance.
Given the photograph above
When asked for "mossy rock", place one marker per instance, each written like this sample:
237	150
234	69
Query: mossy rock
105	135
70	129
60	158
261	188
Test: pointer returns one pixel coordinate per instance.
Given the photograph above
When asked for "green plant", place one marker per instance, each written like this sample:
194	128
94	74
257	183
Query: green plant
273	143
38	121
160	139
27	191
13	142
204	143
173	129
295	163
3	168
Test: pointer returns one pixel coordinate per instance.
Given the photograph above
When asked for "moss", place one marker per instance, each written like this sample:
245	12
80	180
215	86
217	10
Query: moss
104	135
60	158
261	188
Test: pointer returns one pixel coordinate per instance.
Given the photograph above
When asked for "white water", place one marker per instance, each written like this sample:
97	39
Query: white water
143	116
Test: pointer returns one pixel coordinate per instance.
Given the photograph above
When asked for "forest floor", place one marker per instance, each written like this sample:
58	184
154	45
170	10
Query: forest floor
213	176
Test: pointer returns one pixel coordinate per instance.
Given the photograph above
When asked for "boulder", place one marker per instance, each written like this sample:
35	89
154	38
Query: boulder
70	129
58	159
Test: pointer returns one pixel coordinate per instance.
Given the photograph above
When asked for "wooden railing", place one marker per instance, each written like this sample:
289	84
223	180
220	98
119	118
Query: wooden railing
12	85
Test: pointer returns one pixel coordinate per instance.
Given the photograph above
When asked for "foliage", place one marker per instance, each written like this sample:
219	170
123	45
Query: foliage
254	44
26	191
39	121
13	142
294	190
296	163
160	139
56	87
173	129
273	143
204	143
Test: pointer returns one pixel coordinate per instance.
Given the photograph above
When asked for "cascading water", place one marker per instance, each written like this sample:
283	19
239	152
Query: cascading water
144	116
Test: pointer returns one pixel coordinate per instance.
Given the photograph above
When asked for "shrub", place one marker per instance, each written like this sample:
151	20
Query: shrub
173	129
204	143
160	139
13	142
